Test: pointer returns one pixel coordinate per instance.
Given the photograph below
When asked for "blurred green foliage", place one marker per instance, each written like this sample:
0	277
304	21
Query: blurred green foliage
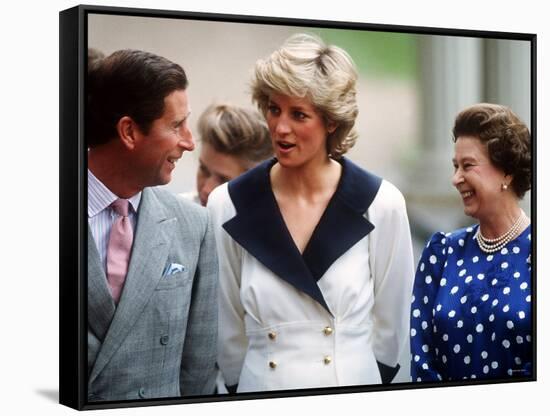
380	54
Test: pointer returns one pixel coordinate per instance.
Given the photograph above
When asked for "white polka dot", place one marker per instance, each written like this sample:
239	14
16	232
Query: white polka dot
509	324
456	348
462	272
460	324
481	276
479	328
451	250
493	336
425	366
485	297
433	259
515	250
437	351
510	372
425	348
506	308
439	377
463	299
443	282
444	359
461	242
426	300
519	339
467	359
486	369
454	290
504	265
521	314
484	354
491	318
506	343
422	267
495	302
452	314
473	376
419	379
473	310
489	257
494	365
438	307
518	360
435	329
469	229
413	332
413	299
517	275
528	338
443	241
528	298
445	337
416	313
428	279
523	286
460	262
529	237
470	338
424	325
475	259
506	290
417	358
468	279
504	251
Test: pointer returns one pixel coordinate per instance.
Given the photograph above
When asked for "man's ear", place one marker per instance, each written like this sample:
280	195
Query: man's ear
127	132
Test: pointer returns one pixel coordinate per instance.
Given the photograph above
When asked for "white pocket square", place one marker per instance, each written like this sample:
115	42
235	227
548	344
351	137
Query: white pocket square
172	268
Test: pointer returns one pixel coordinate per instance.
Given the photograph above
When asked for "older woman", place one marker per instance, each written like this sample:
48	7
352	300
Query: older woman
315	252
233	140
471	310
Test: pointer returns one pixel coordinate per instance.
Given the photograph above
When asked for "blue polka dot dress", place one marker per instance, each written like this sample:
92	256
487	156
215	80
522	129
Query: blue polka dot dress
471	311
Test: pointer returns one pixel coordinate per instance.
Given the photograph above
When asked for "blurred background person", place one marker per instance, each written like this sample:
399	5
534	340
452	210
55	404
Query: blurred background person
471	310
313	293
233	140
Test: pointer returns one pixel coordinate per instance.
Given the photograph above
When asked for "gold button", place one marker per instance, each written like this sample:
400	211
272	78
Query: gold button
272	364
327	359
327	330
272	335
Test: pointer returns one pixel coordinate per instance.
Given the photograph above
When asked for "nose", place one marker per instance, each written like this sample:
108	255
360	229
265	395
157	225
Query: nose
457	177
282	127
187	142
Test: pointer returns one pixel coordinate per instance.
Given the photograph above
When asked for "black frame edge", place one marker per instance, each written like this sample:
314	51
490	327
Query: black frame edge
71	274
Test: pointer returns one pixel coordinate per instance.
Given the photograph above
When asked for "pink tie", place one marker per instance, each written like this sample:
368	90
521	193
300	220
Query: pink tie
119	248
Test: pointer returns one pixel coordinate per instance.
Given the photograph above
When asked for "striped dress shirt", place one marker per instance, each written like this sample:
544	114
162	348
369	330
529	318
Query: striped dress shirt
101	216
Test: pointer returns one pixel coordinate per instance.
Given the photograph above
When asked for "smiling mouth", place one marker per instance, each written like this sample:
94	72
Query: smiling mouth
467	194
173	160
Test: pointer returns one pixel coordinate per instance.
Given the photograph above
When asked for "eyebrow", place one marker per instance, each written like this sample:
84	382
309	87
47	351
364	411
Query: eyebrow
466	159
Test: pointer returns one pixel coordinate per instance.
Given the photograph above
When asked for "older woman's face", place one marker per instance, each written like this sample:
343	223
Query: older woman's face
298	132
477	179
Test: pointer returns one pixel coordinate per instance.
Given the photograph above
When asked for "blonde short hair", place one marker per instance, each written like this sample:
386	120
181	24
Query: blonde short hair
236	131
325	74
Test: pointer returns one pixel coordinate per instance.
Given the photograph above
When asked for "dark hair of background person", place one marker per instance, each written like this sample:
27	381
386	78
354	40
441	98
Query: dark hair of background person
130	83
507	139
235	131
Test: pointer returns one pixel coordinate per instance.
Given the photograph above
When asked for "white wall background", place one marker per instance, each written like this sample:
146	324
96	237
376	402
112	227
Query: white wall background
29	207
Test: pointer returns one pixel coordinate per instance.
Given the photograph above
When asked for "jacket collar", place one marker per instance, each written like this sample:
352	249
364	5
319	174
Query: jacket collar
259	226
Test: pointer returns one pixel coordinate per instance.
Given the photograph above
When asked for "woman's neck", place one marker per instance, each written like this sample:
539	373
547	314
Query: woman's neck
494	226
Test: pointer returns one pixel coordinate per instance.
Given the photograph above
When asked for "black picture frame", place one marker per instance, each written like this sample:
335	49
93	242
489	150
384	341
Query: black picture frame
73	45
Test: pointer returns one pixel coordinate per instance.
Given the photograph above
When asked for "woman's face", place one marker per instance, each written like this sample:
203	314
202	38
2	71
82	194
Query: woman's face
298	132
215	168
478	180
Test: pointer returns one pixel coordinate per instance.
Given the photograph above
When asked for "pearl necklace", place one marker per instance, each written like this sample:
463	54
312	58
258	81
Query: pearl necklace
490	245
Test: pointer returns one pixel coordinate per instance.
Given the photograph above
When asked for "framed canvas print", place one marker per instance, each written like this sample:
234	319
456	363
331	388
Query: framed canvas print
260	207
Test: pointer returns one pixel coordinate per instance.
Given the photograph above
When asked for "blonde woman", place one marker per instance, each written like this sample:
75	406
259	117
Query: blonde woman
315	252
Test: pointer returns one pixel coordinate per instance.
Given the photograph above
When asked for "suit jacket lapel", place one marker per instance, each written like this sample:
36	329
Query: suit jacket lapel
154	231
101	307
259	226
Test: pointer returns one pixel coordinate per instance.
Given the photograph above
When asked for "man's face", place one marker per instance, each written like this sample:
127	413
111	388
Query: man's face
156	153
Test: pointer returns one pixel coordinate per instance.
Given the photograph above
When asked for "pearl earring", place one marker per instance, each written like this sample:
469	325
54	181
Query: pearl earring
504	187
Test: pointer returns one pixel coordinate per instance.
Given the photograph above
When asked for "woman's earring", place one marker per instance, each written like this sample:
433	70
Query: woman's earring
504	186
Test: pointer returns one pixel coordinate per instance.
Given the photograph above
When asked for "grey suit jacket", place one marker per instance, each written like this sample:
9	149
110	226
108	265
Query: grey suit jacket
161	339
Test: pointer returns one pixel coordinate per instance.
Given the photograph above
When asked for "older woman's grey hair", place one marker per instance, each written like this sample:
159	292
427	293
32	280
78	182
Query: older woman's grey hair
507	139
325	74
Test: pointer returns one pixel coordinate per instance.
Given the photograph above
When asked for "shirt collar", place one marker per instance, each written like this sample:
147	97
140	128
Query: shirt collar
100	197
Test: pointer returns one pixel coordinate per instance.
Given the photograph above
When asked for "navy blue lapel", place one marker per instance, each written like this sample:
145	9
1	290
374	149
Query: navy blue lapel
259	226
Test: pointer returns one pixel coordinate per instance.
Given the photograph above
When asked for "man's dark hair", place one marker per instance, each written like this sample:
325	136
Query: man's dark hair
128	83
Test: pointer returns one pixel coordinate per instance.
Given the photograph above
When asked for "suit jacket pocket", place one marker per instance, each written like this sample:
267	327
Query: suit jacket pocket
174	280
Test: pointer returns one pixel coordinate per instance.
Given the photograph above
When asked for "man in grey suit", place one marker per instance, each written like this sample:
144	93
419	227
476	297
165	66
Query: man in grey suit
152	267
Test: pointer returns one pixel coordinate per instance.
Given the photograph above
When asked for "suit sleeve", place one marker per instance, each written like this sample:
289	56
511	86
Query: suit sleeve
198	371
392	269
424	363
232	340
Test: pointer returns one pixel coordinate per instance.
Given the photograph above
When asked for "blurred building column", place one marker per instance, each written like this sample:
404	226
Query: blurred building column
451	71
